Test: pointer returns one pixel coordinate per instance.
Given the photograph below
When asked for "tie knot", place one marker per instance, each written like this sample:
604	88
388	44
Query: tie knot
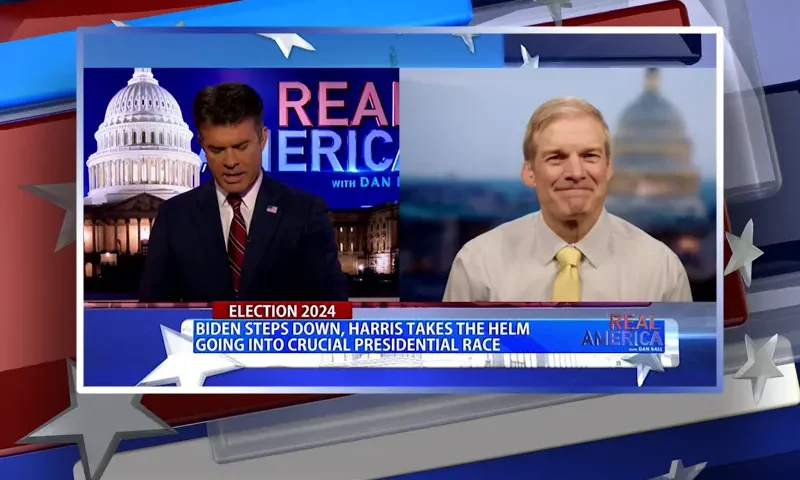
569	256
234	200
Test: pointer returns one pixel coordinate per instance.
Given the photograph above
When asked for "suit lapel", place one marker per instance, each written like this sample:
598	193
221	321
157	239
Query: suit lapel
211	239
266	216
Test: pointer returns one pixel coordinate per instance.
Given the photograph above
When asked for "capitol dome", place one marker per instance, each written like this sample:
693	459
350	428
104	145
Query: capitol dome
143	145
653	160
651	150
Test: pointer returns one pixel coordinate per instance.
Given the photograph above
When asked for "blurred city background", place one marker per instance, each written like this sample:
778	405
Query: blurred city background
462	144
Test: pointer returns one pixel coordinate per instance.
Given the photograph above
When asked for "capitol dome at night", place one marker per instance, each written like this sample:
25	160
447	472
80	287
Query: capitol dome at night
143	145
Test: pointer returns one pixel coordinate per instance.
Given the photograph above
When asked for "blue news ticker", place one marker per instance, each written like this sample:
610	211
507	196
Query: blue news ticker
122	346
399	336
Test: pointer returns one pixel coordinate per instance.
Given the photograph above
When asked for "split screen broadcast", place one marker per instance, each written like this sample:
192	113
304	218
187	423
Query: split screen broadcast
553	224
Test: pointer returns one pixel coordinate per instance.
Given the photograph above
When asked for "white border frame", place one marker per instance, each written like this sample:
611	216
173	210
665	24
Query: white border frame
79	314
79	212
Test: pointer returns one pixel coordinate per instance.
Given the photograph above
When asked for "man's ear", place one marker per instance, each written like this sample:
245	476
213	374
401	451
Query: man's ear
610	169
263	138
527	175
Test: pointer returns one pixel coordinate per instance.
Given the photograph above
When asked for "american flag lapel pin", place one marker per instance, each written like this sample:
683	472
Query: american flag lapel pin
272	209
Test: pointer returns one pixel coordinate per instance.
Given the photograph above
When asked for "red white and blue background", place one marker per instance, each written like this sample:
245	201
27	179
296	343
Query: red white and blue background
748	431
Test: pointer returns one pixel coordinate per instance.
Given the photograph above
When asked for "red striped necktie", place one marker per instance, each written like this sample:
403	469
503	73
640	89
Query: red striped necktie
237	240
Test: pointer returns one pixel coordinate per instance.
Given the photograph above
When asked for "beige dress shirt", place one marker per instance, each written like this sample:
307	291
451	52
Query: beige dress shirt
515	262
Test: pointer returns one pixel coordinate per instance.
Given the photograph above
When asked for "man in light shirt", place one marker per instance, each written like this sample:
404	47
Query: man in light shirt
572	250
244	235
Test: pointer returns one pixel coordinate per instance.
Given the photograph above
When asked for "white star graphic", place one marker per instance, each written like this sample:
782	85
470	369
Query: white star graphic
185	368
61	195
119	23
760	365
678	472
287	41
527	60
97	424
555	8
743	253
645	362
469	40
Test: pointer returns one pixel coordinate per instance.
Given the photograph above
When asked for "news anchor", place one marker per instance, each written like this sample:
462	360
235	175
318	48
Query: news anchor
243	236
572	250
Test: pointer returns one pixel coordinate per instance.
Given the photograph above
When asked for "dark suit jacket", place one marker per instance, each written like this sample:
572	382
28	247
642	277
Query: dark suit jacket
291	252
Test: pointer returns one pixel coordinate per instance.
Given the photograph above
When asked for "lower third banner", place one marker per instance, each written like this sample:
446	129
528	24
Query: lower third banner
431	350
334	341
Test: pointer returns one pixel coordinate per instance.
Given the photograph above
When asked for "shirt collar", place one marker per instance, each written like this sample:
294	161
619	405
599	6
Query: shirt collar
595	245
248	197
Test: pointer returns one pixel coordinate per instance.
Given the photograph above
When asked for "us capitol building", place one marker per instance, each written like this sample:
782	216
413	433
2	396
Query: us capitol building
654	169
143	157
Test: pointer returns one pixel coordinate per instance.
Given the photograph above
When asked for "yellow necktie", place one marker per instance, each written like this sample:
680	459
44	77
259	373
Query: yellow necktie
567	287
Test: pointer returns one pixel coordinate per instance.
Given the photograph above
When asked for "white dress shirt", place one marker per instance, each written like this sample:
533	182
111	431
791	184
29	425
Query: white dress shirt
247	207
515	262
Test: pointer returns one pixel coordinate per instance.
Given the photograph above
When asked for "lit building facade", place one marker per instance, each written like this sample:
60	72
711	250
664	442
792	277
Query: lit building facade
117	229
367	239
